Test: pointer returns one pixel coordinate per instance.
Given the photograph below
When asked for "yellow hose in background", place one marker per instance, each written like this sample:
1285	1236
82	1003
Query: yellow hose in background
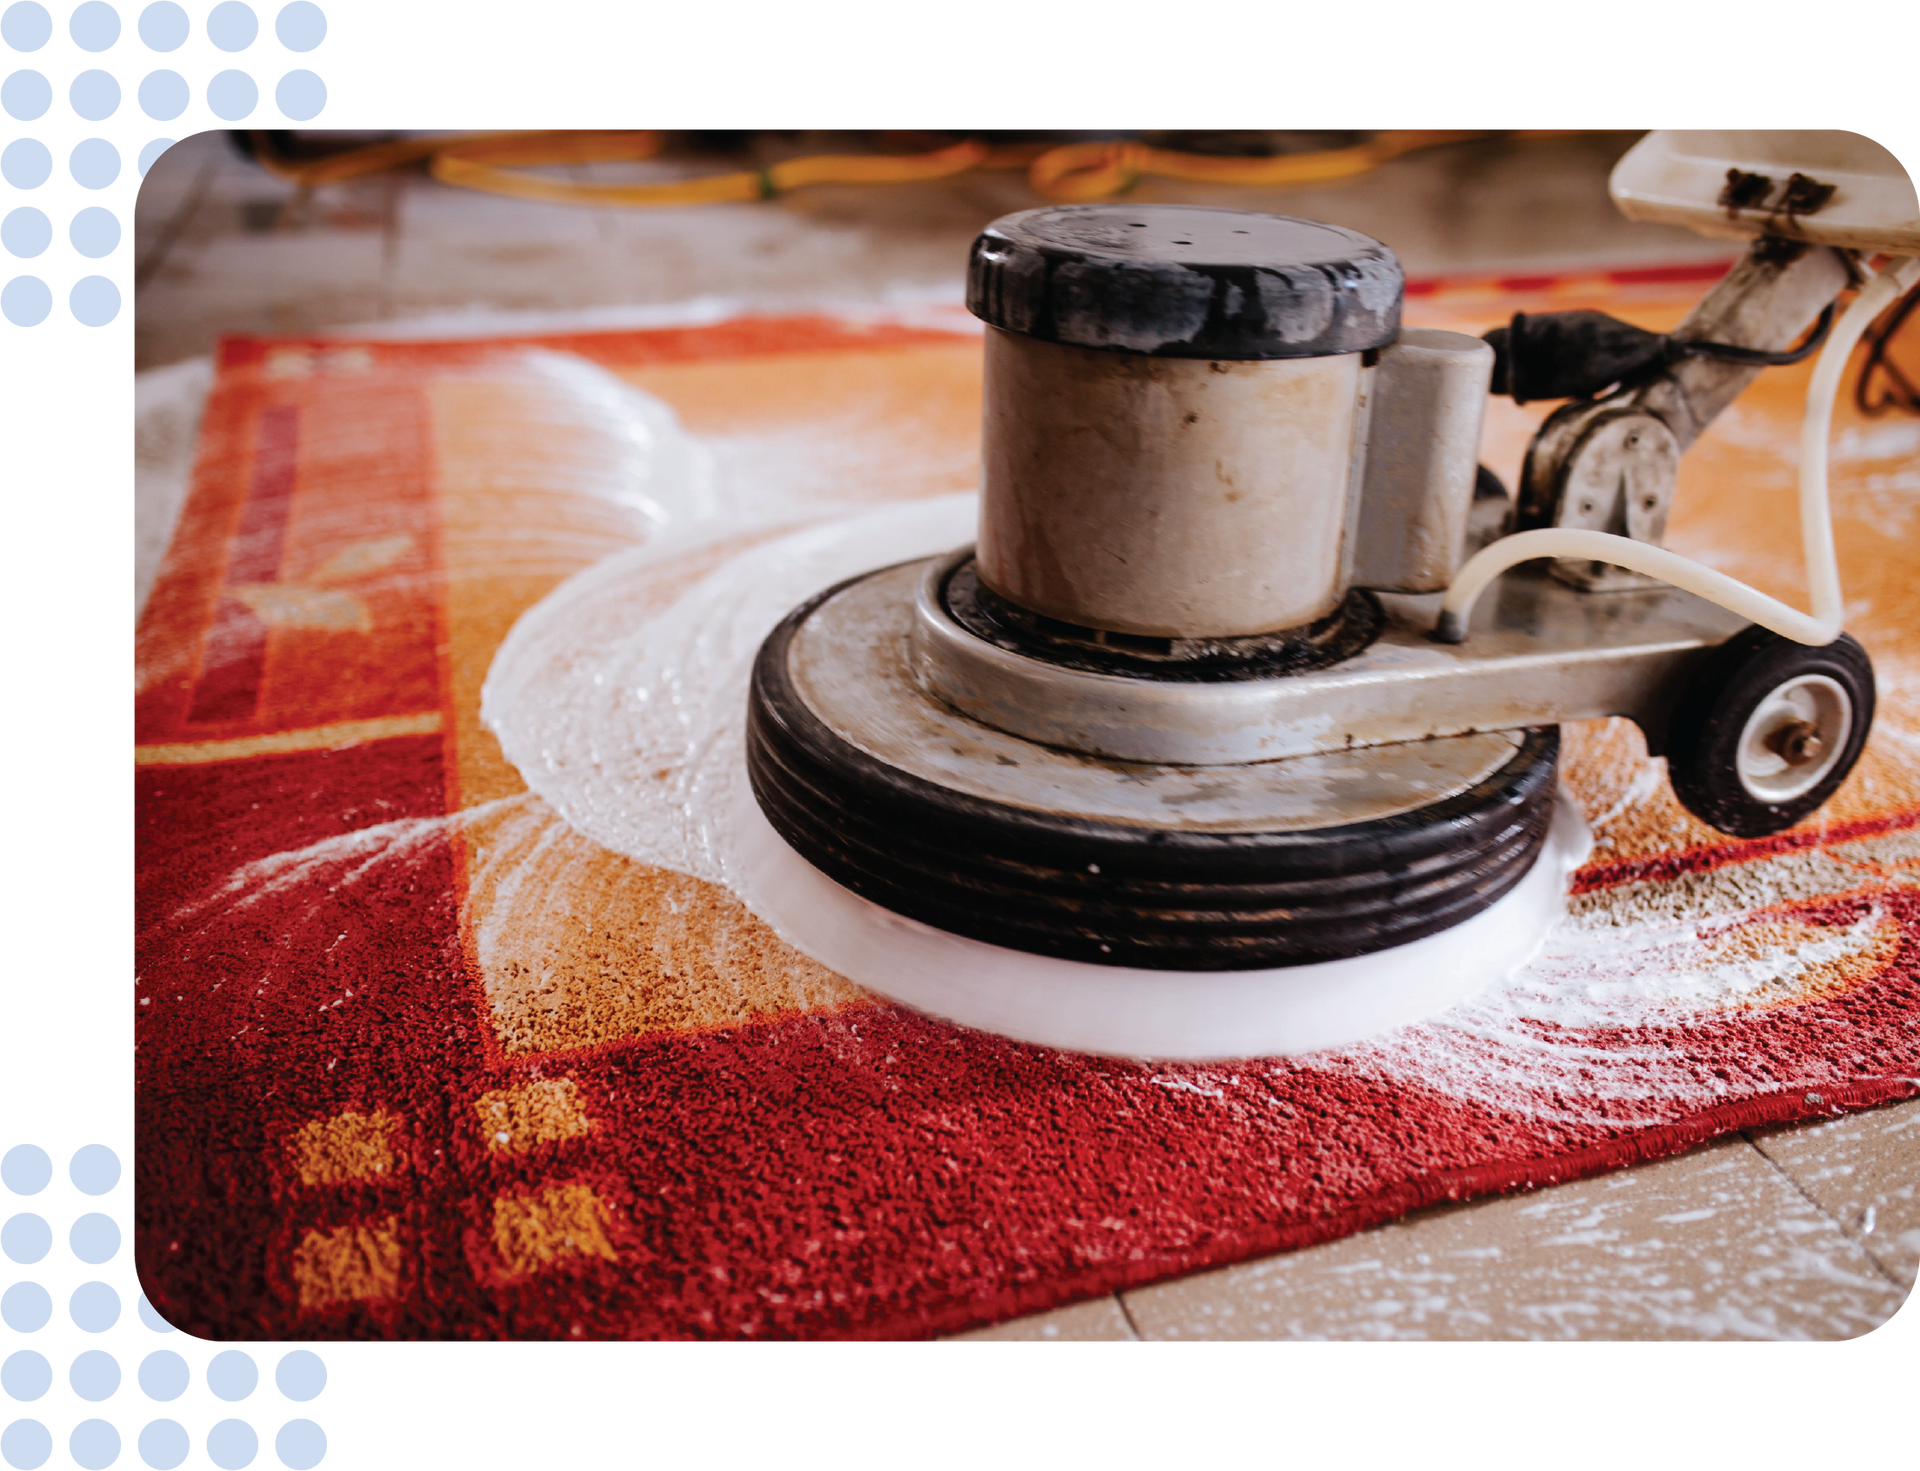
1079	173
1074	173
381	156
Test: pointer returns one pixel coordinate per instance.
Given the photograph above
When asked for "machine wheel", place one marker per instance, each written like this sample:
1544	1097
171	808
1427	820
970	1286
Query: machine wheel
1054	882
1768	729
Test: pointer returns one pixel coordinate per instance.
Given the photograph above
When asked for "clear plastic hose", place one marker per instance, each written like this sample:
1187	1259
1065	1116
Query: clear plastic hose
1822	626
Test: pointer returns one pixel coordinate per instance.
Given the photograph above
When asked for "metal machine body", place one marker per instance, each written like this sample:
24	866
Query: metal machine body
1181	411
1540	653
1610	464
1411	412
1208	692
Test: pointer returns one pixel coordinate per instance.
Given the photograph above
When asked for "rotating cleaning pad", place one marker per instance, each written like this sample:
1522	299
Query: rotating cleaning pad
629	713
893	793
424	1051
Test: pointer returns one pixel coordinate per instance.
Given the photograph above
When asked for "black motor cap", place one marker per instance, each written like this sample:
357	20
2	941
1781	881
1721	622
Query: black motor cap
1184	281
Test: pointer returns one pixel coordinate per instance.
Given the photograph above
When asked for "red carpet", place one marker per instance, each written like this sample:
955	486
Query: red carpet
352	1122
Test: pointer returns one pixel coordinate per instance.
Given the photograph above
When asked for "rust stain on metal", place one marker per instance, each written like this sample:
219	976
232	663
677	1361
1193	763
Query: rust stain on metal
1800	195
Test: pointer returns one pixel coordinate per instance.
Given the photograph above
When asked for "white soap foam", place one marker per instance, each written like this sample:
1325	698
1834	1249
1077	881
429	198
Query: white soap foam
629	719
636	737
627	446
1122	1011
325	867
627	716
1591	1021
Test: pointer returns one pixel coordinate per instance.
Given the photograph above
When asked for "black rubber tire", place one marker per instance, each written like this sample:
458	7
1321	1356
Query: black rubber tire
1104	892
1722	692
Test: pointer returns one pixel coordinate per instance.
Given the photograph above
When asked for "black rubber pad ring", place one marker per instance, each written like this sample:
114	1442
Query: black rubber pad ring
1110	893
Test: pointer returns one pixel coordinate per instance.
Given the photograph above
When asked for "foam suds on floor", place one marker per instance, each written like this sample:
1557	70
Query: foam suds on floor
626	713
1588	1026
621	700
627	446
626	710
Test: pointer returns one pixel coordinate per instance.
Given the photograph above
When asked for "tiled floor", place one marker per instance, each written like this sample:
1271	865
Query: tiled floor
1808	1232
1722	1242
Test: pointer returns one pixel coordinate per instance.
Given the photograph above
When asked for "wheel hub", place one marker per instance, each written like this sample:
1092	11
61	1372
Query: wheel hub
1793	738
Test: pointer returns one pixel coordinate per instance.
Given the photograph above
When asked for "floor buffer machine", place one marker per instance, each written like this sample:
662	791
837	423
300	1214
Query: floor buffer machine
1249	687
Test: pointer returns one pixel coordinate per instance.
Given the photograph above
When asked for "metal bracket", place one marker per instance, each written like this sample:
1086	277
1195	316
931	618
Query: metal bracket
1612	465
1540	653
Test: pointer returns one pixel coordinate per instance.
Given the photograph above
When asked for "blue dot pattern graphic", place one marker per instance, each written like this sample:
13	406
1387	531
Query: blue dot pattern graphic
25	1239
25	166
95	300
25	233
25	27
96	1443
95	1375
231	1375
231	1443
25	300
300	95
150	152
164	27
300	27
127	1402
25	1443
164	1375
95	163
300	1375
25	95
95	1306
93	129
27	1375
94	1237
231	95
95	233
25	1306
95	27
231	27
150	1320
164	1443
95	1170
95	95
164	95
300	1443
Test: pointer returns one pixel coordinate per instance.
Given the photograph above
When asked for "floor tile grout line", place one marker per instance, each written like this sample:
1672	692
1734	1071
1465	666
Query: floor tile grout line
1838	1224
1133	1327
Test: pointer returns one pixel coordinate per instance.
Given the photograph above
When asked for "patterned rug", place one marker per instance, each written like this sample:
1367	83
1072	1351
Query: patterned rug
416	1059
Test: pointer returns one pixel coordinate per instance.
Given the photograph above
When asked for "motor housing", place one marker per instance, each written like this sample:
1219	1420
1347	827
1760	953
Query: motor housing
1181	407
1200	426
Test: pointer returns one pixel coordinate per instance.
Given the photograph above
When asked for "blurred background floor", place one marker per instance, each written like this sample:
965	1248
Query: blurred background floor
224	246
1805	1232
